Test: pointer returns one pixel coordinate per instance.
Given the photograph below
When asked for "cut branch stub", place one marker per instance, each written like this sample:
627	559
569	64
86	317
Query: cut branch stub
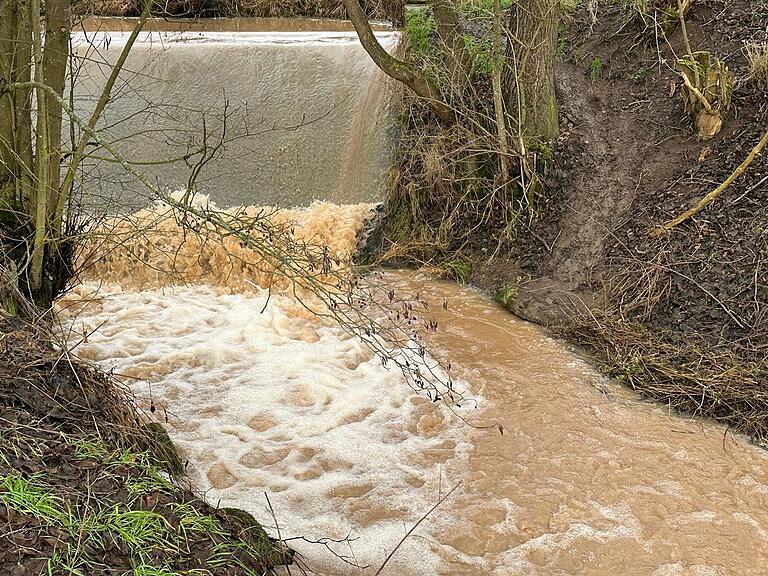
708	85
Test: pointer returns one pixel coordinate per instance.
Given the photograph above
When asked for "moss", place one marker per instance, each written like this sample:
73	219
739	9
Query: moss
163	449
544	152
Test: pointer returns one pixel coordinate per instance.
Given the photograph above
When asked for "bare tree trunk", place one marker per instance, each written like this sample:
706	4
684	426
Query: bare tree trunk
530	79
29	181
42	192
498	97
55	59
404	72
452	40
15	107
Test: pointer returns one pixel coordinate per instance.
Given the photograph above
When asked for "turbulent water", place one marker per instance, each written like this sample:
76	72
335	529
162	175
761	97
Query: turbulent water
584	480
265	399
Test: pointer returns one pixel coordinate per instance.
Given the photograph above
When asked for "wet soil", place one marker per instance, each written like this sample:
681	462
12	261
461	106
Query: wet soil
681	317
628	160
70	437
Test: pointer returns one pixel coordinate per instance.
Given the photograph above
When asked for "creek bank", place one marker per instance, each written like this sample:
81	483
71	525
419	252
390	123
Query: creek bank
87	487
680	318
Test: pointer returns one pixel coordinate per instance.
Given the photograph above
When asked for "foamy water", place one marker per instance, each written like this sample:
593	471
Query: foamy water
268	399
271	402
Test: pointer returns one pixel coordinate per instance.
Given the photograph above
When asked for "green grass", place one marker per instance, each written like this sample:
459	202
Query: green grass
192	521
143	486
507	295
228	554
419	28
83	523
475	9
596	68
150	570
68	563
26	496
459	270
634	8
479	53
142	530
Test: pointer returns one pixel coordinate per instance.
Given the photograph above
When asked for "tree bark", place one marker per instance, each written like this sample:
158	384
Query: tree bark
401	71
55	59
16	167
498	96
530	78
452	40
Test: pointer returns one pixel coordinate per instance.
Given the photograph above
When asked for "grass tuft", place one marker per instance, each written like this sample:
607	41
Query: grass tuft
26	496
757	56
459	270
507	295
596	68
142	530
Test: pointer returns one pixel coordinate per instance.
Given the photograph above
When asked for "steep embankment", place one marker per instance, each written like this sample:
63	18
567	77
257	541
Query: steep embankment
85	488
681	317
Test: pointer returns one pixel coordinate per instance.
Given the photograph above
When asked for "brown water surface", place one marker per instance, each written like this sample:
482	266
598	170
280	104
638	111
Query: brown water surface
264	398
585	479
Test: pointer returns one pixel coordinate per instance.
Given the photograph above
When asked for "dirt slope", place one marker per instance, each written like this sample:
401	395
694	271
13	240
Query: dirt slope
628	160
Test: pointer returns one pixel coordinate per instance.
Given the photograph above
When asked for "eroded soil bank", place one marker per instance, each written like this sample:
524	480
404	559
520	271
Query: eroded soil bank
87	489
681	317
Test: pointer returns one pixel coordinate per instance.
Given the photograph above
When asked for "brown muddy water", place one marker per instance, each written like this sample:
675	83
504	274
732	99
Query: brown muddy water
586	479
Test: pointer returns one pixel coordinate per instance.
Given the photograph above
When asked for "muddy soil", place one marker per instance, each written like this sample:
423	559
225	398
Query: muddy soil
75	480
627	161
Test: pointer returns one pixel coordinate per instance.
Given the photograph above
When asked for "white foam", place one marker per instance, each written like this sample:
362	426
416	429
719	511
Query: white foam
271	402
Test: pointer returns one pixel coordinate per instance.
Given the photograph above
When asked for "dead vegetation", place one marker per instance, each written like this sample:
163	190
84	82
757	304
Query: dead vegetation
680	315
757	55
466	185
87	487
683	315
686	374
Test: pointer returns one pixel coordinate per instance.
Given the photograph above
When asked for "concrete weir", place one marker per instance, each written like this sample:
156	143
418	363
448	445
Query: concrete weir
307	114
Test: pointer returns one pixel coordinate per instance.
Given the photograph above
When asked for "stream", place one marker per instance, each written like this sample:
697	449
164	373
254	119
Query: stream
265	400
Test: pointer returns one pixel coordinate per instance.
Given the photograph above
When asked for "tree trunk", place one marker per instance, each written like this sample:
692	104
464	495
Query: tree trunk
530	78
30	179
401	71
452	40
55	60
16	172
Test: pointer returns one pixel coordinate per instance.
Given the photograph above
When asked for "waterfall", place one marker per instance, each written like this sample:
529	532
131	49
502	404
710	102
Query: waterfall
308	115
